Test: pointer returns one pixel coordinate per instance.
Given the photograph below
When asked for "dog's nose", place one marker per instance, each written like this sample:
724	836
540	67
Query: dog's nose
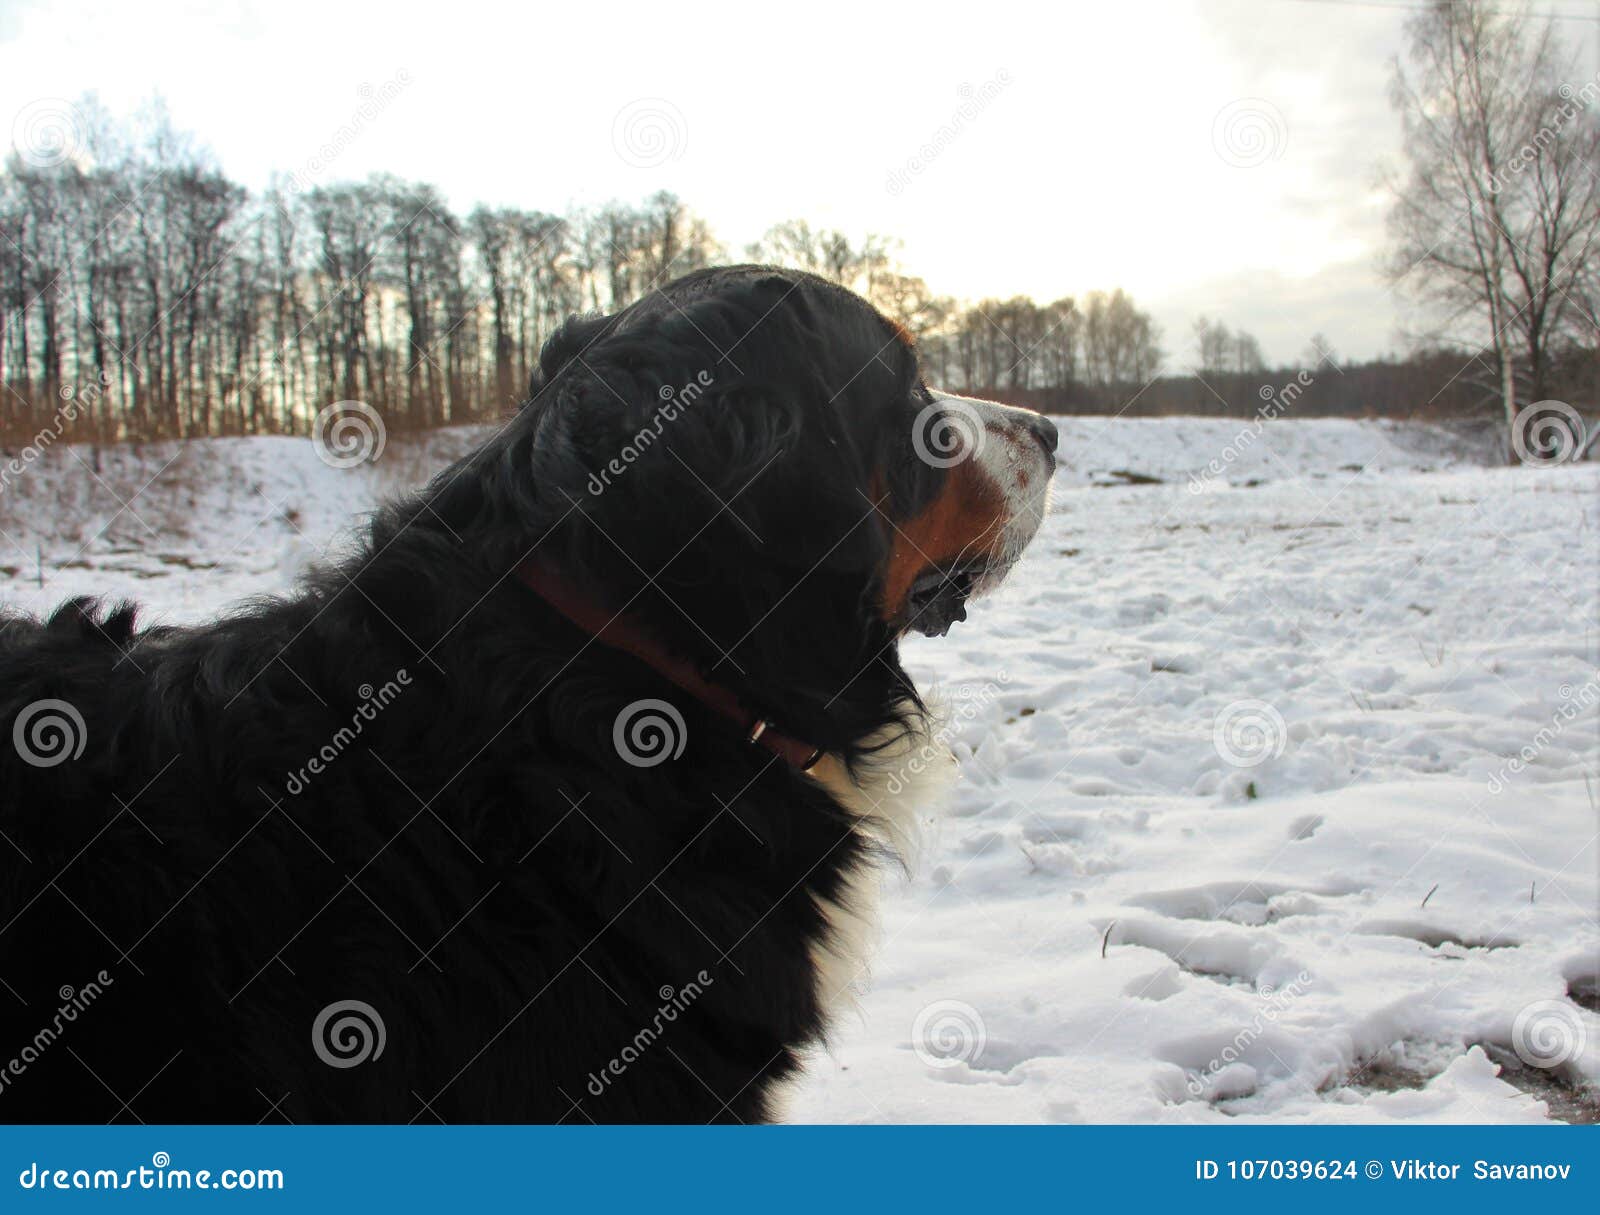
1043	429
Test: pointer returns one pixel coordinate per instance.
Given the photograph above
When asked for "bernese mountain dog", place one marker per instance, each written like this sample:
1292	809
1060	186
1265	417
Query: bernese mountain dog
561	799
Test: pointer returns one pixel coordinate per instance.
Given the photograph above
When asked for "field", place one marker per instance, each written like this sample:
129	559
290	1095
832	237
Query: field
1281	769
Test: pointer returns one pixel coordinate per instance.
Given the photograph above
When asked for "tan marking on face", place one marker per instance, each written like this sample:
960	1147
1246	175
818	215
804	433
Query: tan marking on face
966	521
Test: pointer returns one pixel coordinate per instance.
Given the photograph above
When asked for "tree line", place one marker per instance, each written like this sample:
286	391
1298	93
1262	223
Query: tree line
162	299
143	294
158	298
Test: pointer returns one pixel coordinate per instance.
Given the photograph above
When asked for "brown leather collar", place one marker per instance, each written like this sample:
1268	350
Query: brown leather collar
619	631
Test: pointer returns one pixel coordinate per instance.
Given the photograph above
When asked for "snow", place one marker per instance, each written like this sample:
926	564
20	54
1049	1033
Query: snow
1280	785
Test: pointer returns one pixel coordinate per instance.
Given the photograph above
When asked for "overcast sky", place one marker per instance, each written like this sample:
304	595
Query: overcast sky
1215	156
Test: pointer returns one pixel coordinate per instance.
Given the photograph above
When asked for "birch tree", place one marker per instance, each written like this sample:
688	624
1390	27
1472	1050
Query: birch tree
1496	213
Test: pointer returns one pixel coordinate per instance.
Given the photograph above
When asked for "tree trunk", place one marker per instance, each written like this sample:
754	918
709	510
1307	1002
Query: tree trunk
1508	397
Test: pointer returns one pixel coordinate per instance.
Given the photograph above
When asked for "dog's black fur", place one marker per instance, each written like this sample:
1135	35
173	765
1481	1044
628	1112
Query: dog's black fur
479	864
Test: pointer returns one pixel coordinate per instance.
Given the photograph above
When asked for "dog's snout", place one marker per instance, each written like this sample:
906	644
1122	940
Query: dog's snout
1044	430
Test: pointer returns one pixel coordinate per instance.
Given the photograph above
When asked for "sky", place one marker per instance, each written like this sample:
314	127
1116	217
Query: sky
1216	157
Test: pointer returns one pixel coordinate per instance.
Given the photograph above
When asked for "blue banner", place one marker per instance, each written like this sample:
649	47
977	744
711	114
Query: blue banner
982	1169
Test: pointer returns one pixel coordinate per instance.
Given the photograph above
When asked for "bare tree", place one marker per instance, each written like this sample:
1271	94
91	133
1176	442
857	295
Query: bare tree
1223	350
1121	342
1212	341
1319	350
828	252
1494	219
907	300
1058	349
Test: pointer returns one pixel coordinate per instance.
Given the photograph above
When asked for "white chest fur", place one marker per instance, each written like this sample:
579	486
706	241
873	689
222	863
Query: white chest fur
910	777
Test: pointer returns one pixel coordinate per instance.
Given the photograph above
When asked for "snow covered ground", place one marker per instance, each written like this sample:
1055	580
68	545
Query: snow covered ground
1281	773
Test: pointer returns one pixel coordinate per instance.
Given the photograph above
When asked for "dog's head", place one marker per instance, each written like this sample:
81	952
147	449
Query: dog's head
750	460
